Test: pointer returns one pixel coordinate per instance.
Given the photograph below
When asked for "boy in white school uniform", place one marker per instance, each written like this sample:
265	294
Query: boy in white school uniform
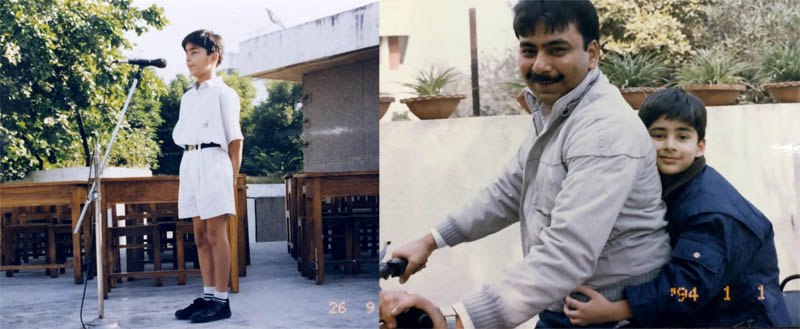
208	130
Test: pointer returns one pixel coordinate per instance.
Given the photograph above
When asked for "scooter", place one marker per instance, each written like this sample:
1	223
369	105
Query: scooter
792	300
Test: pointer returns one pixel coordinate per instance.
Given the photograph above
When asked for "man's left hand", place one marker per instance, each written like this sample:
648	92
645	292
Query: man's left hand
392	303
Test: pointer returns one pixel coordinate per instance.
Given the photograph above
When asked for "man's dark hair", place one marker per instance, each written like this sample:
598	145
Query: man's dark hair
211	41
675	104
557	14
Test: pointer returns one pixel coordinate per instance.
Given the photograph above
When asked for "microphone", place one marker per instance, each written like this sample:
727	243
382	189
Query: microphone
158	62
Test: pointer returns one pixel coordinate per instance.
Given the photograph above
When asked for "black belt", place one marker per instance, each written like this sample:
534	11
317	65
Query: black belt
201	146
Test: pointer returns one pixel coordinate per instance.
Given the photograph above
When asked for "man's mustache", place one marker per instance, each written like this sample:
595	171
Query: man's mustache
543	79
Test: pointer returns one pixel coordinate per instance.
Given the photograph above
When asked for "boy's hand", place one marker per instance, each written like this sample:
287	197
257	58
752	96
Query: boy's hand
597	310
416	253
392	303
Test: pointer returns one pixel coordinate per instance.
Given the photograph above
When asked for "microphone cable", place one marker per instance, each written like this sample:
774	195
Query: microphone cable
88	247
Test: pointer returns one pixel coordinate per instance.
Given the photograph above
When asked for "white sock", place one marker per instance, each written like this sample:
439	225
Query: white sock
208	292
220	296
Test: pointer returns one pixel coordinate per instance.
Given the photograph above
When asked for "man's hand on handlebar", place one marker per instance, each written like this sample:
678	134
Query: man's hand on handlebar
393	303
417	253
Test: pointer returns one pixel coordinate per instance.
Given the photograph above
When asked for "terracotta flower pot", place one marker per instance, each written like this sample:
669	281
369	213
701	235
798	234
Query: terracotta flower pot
384	102
784	92
635	96
716	94
433	107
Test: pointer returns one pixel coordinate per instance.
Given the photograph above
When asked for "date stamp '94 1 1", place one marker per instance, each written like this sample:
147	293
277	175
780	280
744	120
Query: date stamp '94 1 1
683	293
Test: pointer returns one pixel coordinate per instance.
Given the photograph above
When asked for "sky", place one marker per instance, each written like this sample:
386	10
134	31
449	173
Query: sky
234	20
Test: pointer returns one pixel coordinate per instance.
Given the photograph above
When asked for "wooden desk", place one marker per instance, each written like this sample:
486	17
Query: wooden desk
71	193
156	189
164	189
290	189
315	187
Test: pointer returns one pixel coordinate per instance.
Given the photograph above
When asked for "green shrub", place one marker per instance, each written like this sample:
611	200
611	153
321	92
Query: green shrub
627	71
711	67
782	63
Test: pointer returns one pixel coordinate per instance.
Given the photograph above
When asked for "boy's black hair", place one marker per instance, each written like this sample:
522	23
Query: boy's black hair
211	41
675	104
557	14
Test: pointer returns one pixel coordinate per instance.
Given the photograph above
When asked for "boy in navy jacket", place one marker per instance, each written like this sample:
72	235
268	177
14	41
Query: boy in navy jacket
724	269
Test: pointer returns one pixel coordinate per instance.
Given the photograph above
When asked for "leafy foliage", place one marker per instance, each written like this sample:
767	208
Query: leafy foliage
67	71
432	82
626	71
748	27
272	143
782	63
712	67
668	27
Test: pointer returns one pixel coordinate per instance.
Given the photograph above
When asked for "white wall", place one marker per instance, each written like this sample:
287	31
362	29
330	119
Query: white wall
438	34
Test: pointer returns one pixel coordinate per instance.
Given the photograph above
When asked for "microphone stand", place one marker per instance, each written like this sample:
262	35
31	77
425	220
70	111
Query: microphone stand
94	196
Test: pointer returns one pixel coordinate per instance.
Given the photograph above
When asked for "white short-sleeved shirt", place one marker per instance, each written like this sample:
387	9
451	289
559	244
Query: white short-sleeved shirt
208	114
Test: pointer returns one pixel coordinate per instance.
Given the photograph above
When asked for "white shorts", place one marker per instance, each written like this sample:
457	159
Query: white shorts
206	184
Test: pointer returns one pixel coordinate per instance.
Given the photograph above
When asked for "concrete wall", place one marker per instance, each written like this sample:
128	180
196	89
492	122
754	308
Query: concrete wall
431	168
266	212
341	128
82	173
270	216
333	35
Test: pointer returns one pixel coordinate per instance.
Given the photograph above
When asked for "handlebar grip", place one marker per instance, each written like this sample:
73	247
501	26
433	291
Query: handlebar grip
392	268
414	318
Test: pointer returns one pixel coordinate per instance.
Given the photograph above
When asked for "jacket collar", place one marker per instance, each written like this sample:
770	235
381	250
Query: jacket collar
670	183
564	105
215	81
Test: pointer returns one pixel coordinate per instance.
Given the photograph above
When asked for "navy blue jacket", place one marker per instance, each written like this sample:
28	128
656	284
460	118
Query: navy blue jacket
724	269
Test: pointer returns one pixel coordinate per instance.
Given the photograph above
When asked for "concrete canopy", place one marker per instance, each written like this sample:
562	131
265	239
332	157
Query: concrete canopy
342	39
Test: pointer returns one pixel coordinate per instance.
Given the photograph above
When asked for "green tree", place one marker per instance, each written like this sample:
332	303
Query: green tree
56	66
170	158
273	146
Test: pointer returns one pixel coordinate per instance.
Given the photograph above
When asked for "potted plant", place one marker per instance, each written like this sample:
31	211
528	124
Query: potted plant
517	89
383	104
713	76
636	76
431	103
782	70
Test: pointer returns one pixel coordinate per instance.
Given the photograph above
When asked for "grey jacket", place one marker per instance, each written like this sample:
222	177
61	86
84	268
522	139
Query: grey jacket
587	194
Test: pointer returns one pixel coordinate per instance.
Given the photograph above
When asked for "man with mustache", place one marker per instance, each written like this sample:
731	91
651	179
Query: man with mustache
584	187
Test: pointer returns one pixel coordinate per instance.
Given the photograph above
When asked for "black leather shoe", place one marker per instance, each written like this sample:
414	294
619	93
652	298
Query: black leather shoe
186	313
212	312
